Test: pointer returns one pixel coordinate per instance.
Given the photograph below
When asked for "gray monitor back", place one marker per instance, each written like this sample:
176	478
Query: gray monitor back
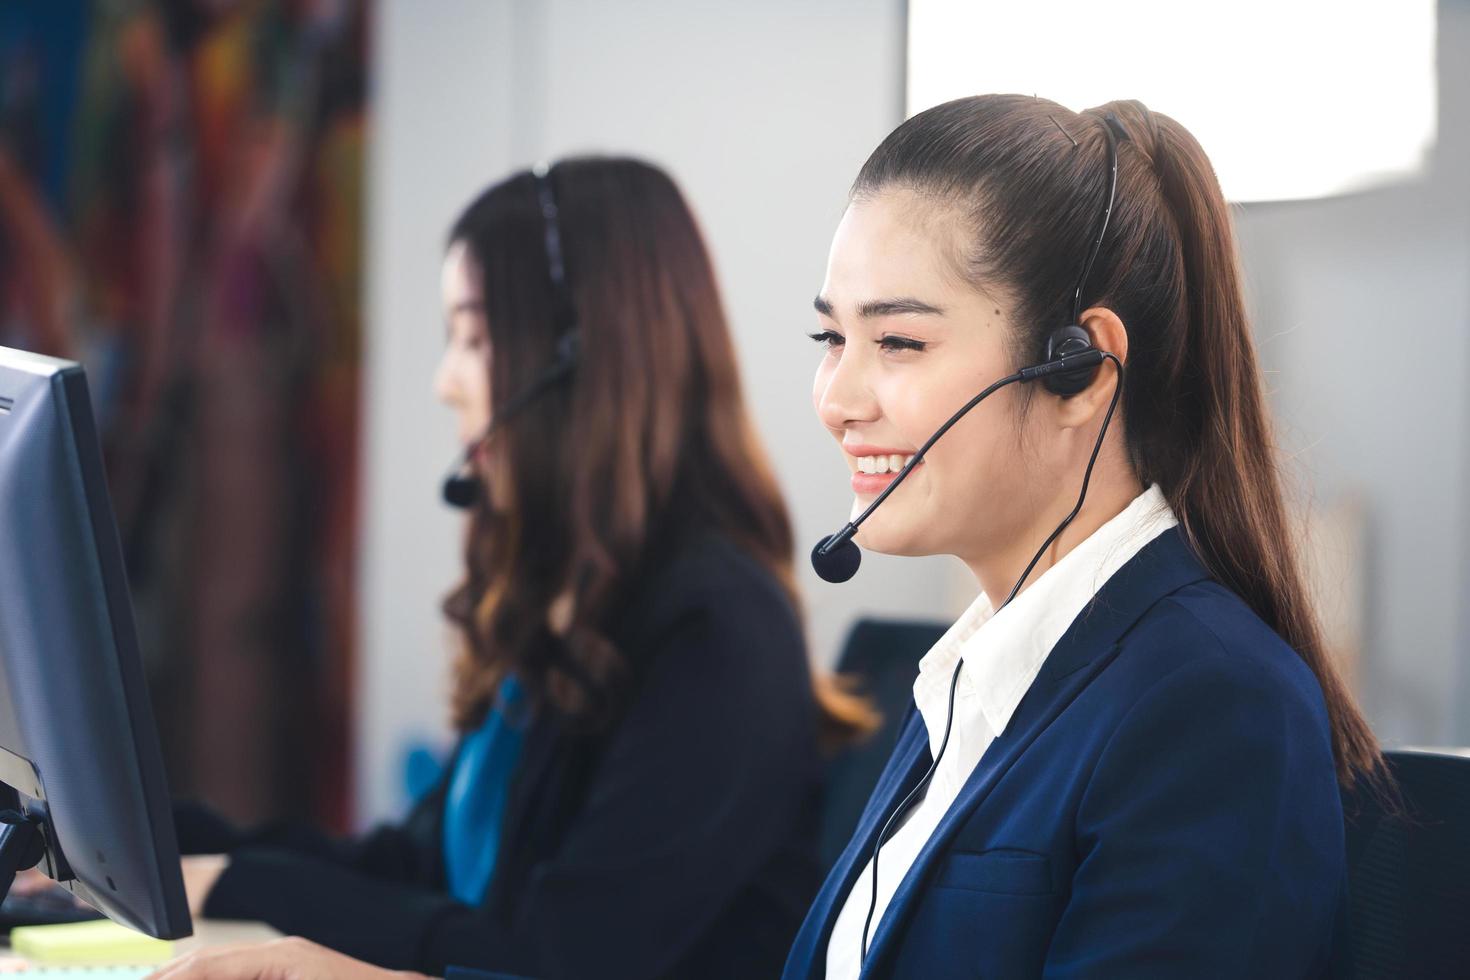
77	736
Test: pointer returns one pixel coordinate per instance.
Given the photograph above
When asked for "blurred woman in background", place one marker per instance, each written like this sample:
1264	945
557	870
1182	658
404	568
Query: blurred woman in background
634	791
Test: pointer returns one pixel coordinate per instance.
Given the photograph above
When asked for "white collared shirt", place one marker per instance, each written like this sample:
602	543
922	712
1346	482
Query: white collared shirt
1002	654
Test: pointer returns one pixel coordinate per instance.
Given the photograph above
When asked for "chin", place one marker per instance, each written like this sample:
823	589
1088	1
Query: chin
898	542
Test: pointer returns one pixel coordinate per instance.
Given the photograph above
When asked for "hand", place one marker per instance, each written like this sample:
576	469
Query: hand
201	872
30	883
284	959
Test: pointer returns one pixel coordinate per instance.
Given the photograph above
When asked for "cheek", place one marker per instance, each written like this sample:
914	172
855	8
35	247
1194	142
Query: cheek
916	413
973	455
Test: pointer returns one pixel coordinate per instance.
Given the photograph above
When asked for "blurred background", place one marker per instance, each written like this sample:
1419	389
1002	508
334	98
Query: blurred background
233	212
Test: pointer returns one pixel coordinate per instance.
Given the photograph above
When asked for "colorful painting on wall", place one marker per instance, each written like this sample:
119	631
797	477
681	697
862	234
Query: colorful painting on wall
181	207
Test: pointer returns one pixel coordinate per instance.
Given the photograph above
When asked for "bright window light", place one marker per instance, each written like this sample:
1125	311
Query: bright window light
1290	98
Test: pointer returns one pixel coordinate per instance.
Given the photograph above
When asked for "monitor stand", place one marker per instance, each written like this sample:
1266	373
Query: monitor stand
22	845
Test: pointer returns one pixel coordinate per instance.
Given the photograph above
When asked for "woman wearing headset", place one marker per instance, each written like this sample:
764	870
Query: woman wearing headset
1125	759
634	791
1126	756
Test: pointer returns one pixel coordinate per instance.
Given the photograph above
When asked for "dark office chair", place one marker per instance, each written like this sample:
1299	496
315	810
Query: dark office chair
1409	875
883	657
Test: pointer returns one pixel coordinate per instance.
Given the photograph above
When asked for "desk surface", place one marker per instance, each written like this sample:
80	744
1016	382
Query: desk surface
207	933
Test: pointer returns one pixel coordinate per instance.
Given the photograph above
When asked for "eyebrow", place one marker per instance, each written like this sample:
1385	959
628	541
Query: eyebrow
883	307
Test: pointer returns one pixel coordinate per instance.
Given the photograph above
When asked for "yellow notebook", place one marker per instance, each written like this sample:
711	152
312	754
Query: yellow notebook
86	943
86	972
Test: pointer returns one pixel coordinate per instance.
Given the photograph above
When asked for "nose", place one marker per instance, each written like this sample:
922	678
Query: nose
444	387
844	396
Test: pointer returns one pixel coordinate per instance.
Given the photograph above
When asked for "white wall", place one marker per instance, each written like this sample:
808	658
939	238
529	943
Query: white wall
441	113
1362	307
763	111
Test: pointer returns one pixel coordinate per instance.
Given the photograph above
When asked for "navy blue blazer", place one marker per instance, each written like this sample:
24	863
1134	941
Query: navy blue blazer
1162	804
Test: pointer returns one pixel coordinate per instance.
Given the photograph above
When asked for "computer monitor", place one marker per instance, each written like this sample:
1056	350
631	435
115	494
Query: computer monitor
81	773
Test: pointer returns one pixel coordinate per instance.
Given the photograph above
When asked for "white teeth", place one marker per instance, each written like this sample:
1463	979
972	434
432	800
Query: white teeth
890	463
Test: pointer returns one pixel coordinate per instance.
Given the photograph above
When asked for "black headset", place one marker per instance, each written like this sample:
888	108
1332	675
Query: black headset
462	487
1073	340
1070	366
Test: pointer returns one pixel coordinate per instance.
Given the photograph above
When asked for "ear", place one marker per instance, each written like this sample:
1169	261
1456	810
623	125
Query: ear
1107	333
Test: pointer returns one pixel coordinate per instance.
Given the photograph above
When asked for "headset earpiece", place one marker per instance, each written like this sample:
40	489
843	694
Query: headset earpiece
1060	343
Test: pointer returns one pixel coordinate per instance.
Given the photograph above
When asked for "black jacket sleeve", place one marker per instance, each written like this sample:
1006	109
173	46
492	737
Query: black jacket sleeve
695	790
405	852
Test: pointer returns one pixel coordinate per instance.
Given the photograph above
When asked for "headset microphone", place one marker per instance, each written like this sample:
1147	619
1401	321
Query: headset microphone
461	487
836	557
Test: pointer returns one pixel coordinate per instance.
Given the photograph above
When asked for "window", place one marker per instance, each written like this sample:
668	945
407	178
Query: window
1291	99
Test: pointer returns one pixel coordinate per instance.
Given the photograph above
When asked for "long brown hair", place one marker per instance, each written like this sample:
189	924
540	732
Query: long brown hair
648	439
1030	176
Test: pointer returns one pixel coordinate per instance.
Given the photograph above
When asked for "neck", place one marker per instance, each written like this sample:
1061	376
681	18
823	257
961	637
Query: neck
997	570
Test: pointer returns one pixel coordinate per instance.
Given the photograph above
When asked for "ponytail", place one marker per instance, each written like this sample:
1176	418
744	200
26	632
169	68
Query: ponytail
1031	174
1225	485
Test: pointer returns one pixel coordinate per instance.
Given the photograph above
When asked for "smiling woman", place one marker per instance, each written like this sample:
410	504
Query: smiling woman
1126	755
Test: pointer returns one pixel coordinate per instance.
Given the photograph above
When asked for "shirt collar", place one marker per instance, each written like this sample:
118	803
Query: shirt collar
1003	651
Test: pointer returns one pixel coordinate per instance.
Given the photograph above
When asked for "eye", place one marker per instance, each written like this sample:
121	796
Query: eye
828	339
894	343
469	339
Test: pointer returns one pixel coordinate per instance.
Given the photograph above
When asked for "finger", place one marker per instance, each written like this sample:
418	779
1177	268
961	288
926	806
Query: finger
173	969
196	966
184	966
